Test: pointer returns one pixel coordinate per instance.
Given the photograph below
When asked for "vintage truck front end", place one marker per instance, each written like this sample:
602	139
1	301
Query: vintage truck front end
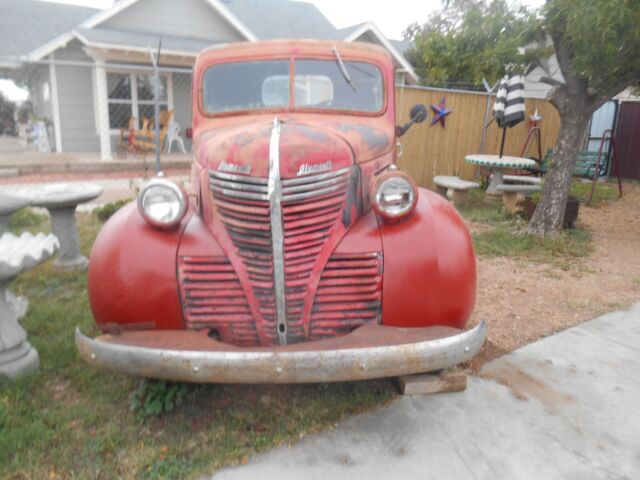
301	253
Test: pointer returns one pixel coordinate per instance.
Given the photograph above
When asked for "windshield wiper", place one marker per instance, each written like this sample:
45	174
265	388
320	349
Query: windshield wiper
343	69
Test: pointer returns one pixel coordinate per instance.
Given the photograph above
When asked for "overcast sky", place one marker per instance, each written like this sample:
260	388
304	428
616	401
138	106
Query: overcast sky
392	17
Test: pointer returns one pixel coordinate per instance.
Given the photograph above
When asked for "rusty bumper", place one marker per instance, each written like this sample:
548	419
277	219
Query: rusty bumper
368	352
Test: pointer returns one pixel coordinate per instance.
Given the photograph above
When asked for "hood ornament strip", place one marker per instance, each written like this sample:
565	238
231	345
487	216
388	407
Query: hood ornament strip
274	192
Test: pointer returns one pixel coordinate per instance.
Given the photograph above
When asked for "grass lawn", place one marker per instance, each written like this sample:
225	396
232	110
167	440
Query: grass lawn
504	235
70	420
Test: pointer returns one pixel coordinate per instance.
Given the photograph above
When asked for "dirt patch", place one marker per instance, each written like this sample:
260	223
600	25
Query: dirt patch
522	302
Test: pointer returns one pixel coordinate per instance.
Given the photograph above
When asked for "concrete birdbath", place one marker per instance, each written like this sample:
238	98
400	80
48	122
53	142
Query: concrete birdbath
18	254
61	200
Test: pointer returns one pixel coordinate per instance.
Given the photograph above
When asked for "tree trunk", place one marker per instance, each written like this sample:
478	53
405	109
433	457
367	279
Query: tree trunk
548	216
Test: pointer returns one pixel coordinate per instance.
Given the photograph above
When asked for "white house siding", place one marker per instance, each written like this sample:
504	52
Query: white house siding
533	87
184	18
182	103
75	97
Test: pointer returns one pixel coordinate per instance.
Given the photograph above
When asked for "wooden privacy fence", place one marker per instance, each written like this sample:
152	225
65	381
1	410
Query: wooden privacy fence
431	150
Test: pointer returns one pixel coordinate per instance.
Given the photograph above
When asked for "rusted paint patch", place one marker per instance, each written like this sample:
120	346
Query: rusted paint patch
374	138
353	198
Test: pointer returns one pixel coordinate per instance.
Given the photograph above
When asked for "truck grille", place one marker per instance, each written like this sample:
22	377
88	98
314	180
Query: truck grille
311	206
348	296
212	297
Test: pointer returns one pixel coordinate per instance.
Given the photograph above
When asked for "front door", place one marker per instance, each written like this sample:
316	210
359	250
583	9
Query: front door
627	140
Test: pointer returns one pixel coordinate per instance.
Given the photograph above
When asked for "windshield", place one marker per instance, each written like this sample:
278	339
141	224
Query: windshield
319	84
232	87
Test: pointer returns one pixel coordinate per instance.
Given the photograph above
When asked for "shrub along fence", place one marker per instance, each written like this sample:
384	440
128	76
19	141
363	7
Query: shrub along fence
429	150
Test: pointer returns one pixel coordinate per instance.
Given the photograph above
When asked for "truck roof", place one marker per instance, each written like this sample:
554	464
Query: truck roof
275	48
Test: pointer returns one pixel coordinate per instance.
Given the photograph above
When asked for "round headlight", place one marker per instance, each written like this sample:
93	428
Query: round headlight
162	203
395	196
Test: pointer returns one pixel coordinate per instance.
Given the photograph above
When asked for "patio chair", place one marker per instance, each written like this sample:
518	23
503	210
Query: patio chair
173	135
143	140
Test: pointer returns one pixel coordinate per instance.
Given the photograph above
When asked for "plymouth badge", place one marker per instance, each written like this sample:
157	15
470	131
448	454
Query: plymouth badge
308	168
234	168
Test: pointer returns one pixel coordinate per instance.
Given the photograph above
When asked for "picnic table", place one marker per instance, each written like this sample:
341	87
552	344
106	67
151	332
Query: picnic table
497	165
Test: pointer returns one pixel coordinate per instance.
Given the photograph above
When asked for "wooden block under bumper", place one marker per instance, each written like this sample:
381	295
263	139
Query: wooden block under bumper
426	383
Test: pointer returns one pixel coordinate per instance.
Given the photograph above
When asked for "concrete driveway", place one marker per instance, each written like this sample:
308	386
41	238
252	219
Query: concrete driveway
565	407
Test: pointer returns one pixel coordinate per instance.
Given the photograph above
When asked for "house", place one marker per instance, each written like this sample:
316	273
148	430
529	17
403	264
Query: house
88	70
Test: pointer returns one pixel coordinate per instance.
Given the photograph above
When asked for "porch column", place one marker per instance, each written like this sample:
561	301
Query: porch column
55	104
102	105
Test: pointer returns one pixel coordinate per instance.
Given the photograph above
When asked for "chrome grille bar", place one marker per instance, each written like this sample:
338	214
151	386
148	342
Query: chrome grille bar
274	192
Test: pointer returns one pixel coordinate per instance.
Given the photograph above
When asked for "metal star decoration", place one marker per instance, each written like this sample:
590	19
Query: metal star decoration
440	111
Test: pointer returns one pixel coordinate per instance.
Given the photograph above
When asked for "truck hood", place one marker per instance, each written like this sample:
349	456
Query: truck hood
305	147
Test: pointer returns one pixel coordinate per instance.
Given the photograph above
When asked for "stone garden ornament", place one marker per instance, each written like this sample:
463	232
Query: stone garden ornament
18	254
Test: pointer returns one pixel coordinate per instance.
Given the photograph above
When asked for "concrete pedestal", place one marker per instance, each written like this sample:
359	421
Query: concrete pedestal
18	254
63	224
17	356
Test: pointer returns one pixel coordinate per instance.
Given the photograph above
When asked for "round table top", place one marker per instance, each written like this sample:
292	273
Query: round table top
58	195
495	161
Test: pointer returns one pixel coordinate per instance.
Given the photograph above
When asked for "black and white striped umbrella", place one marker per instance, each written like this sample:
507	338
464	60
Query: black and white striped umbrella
508	108
509	105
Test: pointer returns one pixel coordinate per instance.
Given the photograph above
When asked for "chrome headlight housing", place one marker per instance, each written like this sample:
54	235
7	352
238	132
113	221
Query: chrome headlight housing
394	195
162	203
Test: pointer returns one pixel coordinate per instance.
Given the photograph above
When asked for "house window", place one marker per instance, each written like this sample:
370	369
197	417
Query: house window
130	95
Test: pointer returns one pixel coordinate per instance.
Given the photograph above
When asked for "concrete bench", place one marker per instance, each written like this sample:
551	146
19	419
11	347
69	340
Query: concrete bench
454	188
521	180
512	194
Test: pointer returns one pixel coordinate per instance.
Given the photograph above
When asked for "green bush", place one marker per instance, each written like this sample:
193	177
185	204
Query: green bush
105	212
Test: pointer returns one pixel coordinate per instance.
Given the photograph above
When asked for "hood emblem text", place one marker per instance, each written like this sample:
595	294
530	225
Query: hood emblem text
308	168
235	168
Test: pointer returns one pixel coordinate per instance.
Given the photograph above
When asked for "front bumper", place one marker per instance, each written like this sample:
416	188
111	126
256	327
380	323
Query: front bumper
368	352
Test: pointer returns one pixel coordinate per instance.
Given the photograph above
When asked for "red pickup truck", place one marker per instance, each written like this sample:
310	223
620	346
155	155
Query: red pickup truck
300	253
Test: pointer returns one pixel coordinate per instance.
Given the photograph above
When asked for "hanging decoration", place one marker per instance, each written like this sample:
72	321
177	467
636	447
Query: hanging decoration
440	111
534	119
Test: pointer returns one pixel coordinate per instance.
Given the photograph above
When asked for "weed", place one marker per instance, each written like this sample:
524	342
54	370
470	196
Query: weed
155	397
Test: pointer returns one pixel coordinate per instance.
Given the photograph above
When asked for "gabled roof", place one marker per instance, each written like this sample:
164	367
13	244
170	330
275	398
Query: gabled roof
370	28
39	23
121	5
272	19
109	38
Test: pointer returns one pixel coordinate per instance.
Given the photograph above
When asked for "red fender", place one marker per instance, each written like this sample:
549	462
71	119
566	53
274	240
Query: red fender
429	267
132	274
